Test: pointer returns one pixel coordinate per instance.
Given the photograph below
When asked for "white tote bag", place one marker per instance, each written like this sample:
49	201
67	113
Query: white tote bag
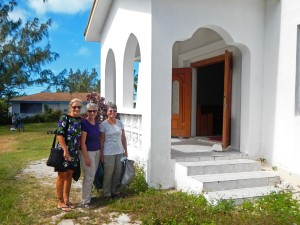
128	172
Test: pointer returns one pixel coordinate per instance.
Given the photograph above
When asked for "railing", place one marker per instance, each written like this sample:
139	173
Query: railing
133	130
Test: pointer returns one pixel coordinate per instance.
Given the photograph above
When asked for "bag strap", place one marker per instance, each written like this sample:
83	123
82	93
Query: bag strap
66	128
65	132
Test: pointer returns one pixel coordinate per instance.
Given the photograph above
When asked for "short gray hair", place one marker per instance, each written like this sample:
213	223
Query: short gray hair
91	105
111	105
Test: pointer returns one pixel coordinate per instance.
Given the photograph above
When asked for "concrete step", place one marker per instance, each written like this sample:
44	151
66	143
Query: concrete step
239	195
228	181
206	156
219	166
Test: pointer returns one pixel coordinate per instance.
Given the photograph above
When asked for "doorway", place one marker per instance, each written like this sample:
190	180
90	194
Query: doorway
210	91
213	116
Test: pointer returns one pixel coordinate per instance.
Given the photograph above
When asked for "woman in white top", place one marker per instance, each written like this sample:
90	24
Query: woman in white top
113	146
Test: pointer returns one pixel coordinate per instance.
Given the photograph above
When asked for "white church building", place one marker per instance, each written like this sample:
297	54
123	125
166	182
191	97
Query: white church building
198	68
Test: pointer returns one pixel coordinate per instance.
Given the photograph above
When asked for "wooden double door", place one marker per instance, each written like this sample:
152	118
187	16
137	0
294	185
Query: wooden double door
181	97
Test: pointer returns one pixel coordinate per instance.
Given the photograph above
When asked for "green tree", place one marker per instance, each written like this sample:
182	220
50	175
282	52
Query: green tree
22	51
79	81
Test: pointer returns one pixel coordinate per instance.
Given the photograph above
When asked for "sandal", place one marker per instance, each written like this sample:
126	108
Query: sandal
71	205
64	208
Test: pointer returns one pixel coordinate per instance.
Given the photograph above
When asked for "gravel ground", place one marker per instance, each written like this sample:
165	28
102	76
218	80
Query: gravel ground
47	177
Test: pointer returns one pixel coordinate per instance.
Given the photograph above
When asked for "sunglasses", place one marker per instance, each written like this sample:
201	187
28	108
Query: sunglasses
112	110
91	111
76	107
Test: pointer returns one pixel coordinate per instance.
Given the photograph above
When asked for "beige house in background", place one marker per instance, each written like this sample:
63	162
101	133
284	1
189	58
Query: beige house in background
27	106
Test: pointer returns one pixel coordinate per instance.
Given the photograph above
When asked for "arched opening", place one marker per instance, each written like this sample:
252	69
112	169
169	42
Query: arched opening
132	59
110	77
204	54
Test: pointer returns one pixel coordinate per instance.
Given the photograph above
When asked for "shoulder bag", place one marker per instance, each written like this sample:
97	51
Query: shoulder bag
56	157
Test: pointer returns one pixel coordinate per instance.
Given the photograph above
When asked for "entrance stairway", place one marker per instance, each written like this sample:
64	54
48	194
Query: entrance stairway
219	175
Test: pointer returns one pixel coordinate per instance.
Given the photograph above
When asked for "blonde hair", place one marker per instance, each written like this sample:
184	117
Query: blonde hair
75	100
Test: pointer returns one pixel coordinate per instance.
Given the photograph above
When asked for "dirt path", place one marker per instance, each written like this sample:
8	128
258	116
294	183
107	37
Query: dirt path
47	177
7	143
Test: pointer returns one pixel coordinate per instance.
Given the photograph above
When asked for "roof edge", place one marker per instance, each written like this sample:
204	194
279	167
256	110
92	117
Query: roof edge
96	21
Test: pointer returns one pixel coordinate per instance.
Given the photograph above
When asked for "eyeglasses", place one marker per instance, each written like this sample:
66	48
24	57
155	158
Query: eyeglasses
92	111
76	107
112	110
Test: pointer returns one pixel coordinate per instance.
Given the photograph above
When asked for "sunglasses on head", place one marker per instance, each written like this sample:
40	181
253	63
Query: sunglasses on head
112	110
92	111
76	107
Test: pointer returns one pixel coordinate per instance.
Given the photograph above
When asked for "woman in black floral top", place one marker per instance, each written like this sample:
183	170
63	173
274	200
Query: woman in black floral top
68	134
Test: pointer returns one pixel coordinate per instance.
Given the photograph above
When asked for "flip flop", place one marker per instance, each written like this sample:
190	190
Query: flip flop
71	205
64	208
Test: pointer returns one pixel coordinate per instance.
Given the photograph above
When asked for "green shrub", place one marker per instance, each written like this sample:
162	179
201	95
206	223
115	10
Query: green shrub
139	183
48	116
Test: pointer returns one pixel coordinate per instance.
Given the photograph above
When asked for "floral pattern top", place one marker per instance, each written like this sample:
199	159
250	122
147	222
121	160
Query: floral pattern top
72	138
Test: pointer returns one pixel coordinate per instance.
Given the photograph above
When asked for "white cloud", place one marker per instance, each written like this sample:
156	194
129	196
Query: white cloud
17	14
60	6
83	51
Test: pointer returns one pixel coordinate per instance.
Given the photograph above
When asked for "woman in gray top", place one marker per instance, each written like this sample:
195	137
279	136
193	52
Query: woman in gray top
113	146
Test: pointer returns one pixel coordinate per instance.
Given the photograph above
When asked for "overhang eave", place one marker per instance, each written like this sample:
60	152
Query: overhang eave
97	20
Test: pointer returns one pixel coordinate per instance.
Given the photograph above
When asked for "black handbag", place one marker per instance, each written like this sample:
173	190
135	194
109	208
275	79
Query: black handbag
98	180
56	157
77	172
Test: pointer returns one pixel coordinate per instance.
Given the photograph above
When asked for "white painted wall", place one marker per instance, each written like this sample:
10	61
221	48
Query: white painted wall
261	36
126	18
281	128
176	20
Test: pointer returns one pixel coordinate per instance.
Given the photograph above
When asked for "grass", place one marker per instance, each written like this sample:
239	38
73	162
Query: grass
26	200
18	149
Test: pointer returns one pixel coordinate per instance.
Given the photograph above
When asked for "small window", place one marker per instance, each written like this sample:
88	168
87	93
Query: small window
175	97
31	108
135	81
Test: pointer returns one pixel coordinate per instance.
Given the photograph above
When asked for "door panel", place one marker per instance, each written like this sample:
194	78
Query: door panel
227	99
181	102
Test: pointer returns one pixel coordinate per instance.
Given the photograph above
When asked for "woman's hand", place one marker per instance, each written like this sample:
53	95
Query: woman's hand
67	156
88	162
102	158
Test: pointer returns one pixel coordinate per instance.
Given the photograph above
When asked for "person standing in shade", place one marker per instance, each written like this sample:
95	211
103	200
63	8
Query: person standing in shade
14	120
113	147
68	135
90	153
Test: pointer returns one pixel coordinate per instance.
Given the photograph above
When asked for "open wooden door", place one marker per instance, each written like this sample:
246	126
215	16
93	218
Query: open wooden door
181	102
227	59
227	99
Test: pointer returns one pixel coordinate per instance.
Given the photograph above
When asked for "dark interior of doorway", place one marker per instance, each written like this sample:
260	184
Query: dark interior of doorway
210	92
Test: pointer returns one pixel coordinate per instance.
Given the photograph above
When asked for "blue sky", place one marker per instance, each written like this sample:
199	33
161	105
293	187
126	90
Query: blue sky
66	35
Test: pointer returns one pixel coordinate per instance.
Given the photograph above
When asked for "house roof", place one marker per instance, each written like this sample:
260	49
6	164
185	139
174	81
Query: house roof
50	97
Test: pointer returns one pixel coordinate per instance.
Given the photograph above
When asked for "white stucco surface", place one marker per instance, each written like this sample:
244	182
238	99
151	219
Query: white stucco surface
262	36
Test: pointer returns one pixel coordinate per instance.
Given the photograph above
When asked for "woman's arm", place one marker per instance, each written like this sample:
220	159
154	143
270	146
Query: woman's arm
84	149
62	143
124	142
